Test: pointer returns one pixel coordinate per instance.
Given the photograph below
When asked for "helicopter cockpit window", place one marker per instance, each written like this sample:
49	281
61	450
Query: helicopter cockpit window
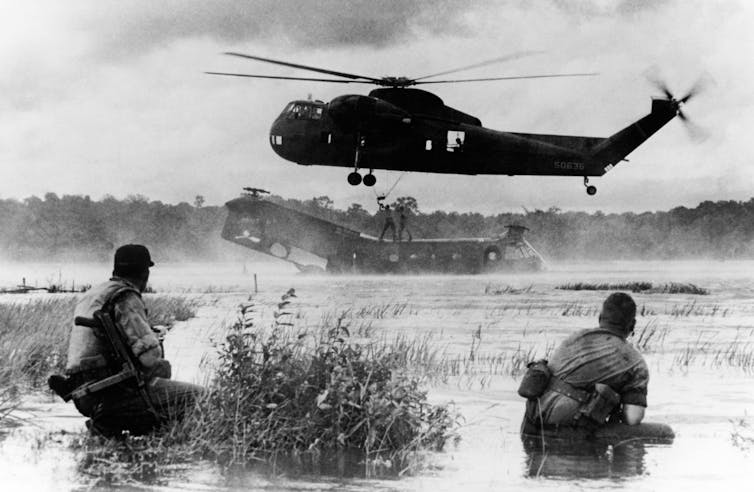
455	141
302	111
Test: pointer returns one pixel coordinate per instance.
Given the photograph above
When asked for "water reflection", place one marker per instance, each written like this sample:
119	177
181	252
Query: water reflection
568	459
144	461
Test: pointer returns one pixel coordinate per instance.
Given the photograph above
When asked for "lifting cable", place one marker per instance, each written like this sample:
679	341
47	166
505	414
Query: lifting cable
387	193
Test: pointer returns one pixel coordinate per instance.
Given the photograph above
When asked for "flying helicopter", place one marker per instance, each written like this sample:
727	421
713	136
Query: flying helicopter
401	128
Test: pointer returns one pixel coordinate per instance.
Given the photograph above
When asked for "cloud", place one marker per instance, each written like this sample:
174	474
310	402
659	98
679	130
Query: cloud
598	8
126	28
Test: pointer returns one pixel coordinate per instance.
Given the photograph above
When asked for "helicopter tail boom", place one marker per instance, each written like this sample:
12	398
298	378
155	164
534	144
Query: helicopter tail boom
616	147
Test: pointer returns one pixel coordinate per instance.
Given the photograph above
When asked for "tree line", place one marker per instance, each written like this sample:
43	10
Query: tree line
78	228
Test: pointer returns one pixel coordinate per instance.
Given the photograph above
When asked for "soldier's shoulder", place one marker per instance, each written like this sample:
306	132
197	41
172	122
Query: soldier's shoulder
633	354
120	290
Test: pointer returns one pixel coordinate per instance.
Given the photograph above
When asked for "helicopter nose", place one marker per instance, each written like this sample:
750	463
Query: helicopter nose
276	138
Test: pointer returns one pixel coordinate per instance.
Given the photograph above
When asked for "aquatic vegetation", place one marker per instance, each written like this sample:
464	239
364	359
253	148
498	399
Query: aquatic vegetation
286	391
643	287
493	290
34	334
167	310
695	309
650	337
381	311
33	338
742	434
580	309
8	403
134	460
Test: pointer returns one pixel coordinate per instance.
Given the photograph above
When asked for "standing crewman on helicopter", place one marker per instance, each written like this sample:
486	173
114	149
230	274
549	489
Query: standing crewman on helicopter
389	223
403	223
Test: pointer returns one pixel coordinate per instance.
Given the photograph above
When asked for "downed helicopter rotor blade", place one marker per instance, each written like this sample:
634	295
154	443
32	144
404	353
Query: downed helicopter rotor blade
304	67
280	77
511	56
517	77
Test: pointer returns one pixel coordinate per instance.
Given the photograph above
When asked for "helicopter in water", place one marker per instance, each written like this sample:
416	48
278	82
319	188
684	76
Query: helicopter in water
400	128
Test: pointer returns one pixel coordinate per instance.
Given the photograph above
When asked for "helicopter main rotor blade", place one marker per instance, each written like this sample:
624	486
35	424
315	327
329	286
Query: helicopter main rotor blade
547	76
311	79
511	56
304	67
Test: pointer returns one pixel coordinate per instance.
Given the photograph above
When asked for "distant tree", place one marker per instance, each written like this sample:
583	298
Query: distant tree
198	201
74	226
408	202
323	202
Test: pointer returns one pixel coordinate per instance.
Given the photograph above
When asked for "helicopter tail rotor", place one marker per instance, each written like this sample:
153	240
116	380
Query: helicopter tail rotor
695	131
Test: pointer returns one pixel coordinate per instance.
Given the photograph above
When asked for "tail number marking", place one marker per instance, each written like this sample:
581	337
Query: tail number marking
577	166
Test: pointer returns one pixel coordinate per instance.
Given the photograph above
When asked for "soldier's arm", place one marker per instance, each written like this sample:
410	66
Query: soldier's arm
131	317
634	394
633	414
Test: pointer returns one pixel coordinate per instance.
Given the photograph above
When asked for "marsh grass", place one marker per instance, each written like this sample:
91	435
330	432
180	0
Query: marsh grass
34	333
168	309
296	397
33	338
498	290
636	287
579	309
294	391
135	460
381	311
742	434
695	309
736	354
651	337
8	403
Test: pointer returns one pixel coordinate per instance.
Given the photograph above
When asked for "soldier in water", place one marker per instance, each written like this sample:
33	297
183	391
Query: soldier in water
147	397
593	375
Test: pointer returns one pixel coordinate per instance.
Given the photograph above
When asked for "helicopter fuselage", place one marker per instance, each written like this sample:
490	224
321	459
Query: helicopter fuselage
368	132
400	128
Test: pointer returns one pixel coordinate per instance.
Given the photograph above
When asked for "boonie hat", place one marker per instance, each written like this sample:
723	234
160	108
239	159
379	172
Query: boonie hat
133	255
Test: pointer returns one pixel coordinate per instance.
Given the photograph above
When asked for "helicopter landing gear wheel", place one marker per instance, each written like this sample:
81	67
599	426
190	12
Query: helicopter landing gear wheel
590	189
354	179
370	180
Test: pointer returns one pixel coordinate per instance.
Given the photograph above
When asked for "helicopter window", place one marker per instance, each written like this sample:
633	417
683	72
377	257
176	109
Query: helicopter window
455	141
300	111
428	145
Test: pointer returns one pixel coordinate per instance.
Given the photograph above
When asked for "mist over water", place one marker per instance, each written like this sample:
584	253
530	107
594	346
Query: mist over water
696	384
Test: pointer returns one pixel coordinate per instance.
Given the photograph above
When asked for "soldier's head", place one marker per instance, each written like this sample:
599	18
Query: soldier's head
619	313
132	262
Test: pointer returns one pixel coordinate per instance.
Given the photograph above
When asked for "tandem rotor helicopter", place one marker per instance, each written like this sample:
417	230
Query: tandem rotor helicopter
404	129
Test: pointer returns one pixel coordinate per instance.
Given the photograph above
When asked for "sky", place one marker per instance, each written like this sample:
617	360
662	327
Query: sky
110	97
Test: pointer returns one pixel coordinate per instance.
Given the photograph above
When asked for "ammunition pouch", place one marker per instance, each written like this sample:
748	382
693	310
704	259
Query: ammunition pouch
602	401
536	379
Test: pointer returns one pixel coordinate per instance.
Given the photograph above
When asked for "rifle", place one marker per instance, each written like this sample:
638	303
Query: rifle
102	321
